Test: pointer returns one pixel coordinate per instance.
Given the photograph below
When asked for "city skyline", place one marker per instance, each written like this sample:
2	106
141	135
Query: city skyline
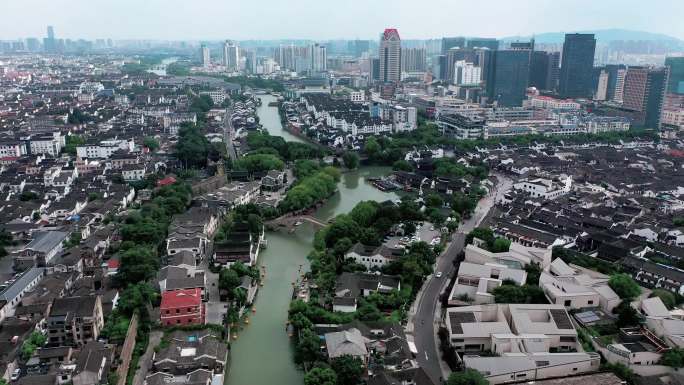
268	20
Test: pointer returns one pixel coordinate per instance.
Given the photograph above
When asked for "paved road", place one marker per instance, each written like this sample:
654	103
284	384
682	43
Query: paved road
427	317
215	309
145	362
228	134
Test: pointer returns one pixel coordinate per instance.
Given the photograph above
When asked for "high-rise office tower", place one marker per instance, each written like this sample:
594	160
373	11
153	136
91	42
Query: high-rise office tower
358	47
467	74
619	90
676	83
33	44
483	60
509	76
375	69
577	64
644	93
413	59
522	45
602	85
251	62
206	56
544	70
452	42
390	56
454	55
319	58
231	56
613	71
483	42
49	43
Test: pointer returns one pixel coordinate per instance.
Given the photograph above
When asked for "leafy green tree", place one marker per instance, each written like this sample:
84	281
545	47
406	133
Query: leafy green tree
259	162
73	141
627	316
228	281
351	160
673	358
151	143
136	298
533	271
320	376
434	200
31	344
193	147
300	322
511	293
364	213
467	377
624	286
308	348
501	245
402	165
349	370
306	167
372	148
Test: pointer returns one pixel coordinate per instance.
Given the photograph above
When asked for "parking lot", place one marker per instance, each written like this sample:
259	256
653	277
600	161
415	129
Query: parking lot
425	232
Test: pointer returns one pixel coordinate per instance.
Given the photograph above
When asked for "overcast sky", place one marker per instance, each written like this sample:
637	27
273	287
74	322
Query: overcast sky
328	19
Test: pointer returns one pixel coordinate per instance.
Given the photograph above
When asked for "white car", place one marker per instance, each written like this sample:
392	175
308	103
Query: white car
15	374
438	274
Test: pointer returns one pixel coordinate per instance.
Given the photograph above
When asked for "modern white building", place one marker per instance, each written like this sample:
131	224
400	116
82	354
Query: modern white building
104	149
206	56
404	118
475	282
217	96
530	342
466	74
545	188
577	289
231	56
517	256
357	96
50	144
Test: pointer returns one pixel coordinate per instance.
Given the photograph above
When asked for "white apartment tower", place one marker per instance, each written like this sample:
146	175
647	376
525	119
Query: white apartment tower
620	85
466	73
319	58
231	56
206	56
390	56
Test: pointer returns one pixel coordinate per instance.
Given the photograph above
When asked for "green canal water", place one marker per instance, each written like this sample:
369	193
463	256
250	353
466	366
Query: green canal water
262	354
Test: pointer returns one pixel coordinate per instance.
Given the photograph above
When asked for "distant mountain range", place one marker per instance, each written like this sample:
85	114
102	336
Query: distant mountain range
602	36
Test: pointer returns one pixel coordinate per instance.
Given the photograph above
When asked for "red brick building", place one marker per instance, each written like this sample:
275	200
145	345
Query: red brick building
182	307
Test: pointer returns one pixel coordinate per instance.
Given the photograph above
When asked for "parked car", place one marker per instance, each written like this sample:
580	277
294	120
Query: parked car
438	274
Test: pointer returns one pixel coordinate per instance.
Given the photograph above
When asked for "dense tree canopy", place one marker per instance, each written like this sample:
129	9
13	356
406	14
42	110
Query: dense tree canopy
624	286
311	190
467	377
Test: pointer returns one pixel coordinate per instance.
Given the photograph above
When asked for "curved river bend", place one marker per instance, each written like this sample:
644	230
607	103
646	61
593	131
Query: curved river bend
262	354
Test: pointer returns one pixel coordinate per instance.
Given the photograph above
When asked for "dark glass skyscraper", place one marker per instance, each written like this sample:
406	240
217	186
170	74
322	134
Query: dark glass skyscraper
510	73
544	70
577	64
612	70
452	42
676	83
483	42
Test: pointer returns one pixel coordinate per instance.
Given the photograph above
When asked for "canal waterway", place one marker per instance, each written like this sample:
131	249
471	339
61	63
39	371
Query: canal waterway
262	354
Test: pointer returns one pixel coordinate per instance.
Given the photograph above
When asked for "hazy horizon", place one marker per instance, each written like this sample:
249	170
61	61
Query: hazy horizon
348	19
